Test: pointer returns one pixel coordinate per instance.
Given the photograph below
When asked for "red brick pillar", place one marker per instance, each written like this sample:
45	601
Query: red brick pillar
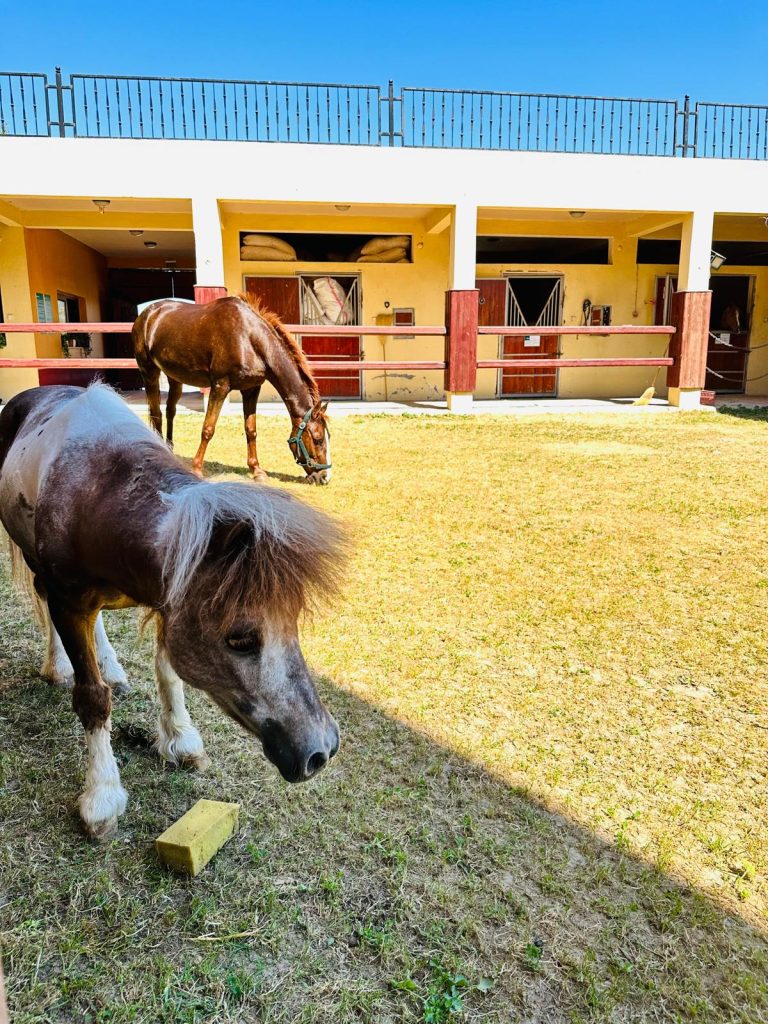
461	316
207	293
688	347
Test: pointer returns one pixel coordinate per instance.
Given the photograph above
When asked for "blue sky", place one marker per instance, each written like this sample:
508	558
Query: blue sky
711	50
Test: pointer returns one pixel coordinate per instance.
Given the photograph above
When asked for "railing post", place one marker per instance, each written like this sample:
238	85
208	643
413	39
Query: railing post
391	111
60	103
461	320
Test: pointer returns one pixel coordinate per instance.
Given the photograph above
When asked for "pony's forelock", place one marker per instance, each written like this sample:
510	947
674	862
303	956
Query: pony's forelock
286	557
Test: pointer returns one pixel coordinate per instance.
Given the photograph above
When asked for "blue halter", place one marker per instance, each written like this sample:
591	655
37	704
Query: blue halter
301	452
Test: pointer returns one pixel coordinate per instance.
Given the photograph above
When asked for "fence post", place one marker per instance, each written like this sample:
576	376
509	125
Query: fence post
688	347
461	319
207	293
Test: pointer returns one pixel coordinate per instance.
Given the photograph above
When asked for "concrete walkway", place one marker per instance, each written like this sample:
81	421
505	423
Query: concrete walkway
193	402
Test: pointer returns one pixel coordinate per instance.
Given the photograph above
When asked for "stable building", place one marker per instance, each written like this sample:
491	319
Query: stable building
349	206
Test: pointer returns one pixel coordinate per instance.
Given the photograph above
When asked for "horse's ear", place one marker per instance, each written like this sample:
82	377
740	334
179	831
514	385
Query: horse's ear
319	408
325	406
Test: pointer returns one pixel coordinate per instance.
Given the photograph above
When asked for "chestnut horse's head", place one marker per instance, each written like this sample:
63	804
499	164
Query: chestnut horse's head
310	444
241	564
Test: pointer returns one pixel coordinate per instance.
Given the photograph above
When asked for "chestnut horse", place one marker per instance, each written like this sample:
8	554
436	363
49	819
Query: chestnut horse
232	344
101	514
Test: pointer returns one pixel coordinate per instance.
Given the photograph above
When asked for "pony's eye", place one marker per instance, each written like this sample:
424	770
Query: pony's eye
247	644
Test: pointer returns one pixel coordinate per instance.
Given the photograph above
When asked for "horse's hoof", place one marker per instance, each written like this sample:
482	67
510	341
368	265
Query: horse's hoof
120	687
259	476
198	472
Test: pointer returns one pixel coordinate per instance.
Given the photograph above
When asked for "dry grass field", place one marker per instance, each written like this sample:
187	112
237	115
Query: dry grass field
549	667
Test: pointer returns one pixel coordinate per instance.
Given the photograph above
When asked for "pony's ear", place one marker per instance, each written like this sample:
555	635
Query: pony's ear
318	409
325	406
228	538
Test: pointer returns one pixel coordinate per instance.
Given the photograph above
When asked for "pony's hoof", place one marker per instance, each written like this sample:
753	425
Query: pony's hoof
101	831
195	762
60	682
120	687
259	476
198	471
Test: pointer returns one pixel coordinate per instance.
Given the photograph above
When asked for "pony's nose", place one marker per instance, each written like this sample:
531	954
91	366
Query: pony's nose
315	763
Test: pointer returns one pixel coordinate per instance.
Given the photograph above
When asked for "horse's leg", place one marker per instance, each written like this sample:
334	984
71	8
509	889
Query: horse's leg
112	672
250	398
174	394
178	741
219	391
152	387
104	797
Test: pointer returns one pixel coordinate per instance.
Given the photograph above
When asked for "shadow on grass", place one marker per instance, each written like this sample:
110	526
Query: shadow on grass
404	882
213	469
745	412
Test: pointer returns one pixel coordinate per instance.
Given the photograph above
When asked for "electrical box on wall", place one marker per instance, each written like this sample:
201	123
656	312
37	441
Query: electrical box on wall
600	316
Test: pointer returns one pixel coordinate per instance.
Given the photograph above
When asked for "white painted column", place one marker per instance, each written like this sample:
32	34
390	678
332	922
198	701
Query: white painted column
693	276
695	250
462	274
209	249
463	246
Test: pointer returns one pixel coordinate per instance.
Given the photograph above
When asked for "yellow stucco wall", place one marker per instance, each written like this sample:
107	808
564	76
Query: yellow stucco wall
59	263
17	308
420	285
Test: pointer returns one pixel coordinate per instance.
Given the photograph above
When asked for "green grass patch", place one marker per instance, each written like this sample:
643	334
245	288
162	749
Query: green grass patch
550	800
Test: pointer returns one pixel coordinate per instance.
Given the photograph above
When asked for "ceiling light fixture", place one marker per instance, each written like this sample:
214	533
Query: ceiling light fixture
577	214
101	204
136	232
341	207
151	245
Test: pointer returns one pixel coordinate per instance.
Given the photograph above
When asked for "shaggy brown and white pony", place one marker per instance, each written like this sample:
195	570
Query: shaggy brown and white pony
102	515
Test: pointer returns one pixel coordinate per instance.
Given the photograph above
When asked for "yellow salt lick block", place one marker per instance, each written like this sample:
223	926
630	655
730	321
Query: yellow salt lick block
191	841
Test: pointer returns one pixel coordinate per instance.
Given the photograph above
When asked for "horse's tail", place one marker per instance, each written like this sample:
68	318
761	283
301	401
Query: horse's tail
24	581
285	336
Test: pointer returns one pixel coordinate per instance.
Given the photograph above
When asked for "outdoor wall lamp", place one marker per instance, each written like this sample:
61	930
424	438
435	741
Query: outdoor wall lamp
716	260
101	204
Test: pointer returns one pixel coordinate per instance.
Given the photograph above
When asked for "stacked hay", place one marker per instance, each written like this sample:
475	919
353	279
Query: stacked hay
266	247
391	249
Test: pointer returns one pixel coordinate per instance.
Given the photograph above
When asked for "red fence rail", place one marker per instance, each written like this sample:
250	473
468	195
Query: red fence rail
437	331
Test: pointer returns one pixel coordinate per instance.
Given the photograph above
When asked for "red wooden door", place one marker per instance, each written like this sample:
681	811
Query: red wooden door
493	311
338	382
278	294
281	295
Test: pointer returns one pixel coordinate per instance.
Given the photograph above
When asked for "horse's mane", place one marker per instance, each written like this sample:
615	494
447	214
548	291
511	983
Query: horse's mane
269	551
289	342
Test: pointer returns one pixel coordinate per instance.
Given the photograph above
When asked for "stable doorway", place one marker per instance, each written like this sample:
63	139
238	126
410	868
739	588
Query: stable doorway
524	300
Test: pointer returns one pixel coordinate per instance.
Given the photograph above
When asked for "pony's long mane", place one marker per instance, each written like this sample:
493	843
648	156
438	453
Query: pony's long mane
286	338
285	554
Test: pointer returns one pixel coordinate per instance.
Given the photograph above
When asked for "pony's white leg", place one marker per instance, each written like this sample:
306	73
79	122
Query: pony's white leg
112	672
56	668
104	797
177	740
